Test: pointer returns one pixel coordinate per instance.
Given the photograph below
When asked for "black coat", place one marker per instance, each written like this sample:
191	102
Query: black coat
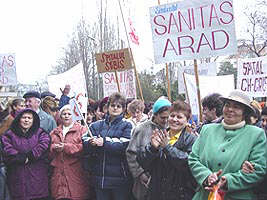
171	178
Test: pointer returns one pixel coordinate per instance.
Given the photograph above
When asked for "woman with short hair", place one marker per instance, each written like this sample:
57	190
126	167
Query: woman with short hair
136	111
165	158
68	180
106	152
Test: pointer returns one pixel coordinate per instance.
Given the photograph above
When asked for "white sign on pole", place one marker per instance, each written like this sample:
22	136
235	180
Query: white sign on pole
126	80
220	84
78	107
252	76
193	29
74	77
205	69
8	75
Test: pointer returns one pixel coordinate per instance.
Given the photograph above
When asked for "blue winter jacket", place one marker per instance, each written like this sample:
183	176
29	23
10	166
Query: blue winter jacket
108	164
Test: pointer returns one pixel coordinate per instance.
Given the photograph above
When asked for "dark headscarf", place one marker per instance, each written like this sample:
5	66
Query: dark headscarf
15	126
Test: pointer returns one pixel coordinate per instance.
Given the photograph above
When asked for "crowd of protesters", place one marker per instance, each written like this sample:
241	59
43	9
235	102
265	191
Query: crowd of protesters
132	149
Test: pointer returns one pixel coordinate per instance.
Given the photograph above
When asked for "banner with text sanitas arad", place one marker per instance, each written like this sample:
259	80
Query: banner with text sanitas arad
193	29
252	76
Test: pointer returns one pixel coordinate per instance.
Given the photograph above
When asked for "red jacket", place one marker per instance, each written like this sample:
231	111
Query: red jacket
68	179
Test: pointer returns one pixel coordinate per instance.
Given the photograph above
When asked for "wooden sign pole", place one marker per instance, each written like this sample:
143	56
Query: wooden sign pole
117	81
198	90
131	54
167	75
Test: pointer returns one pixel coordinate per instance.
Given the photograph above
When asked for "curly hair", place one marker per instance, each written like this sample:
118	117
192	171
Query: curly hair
213	101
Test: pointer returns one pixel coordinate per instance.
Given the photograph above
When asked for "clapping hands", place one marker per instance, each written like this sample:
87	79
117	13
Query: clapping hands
159	138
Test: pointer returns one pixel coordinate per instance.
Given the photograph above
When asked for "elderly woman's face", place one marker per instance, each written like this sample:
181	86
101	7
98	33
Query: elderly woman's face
136	114
233	112
66	117
26	121
177	121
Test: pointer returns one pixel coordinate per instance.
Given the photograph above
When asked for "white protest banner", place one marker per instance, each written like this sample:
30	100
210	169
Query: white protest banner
252	76
126	81
220	84
204	69
193	29
74	77
8	75
78	107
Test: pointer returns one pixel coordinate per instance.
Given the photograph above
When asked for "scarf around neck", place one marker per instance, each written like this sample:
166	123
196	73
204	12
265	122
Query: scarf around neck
233	126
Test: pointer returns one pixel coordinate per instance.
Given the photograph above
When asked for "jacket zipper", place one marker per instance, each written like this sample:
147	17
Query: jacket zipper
124	172
104	161
103	169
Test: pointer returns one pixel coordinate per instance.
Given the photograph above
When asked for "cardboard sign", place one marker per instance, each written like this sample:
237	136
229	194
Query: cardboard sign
8	75
193	29
112	61
252	76
126	81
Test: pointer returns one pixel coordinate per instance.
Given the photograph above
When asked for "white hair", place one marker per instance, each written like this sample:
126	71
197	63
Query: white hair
66	107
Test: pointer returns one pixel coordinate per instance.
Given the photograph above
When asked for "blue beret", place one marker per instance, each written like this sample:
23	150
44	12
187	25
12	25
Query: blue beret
47	94
161	102
32	94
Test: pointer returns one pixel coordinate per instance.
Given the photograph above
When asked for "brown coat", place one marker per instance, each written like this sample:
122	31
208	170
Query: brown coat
5	124
68	179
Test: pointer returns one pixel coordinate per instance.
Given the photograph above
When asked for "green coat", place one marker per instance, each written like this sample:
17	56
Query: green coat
218	148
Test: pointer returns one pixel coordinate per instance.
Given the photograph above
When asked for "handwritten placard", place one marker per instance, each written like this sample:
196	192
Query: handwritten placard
8	75
193	29
252	76
111	61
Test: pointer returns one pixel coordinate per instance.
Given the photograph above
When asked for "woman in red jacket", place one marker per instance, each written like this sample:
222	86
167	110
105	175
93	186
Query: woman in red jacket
68	179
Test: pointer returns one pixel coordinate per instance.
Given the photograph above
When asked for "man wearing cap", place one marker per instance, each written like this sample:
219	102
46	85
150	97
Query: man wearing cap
141	136
33	101
64	99
47	94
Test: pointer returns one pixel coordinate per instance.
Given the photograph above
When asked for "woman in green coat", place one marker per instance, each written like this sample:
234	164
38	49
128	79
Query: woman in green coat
221	149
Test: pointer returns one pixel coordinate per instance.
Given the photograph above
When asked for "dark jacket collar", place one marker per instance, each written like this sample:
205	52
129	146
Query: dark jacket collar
115	120
15	126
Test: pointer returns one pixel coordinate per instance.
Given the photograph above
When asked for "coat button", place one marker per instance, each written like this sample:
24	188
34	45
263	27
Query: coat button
219	164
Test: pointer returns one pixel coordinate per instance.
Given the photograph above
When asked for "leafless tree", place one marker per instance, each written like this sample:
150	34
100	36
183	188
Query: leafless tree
256	42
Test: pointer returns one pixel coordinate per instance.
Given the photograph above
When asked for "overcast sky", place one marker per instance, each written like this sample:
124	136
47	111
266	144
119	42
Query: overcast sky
36	30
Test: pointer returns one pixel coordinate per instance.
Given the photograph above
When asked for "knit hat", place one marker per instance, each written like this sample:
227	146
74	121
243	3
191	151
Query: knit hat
161	102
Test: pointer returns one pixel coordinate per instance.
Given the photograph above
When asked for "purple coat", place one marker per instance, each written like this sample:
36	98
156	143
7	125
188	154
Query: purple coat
26	180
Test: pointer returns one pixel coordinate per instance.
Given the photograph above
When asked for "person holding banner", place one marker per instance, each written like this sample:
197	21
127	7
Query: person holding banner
221	149
68	180
165	158
106	152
